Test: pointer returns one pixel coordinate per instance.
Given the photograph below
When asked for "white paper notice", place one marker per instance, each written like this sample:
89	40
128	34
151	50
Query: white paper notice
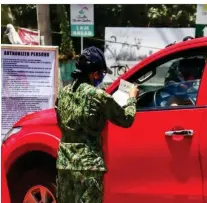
27	83
122	94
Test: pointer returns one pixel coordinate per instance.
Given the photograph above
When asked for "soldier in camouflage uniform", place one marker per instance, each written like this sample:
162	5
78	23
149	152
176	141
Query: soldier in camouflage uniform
82	111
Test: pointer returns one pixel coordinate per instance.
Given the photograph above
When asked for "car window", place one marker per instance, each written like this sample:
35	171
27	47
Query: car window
174	83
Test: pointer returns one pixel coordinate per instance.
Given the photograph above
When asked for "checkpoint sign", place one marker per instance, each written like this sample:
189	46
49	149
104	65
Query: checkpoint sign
82	20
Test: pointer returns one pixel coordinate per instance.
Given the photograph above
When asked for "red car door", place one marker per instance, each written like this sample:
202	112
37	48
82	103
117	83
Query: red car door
203	146
203	134
157	159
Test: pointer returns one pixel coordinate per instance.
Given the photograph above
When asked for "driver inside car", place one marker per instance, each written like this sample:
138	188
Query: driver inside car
181	77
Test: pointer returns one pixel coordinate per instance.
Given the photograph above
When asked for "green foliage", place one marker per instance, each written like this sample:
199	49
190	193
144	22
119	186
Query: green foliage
66	46
6	15
24	15
117	15
172	15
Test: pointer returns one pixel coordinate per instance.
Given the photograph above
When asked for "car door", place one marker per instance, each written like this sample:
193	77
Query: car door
153	161
203	154
203	135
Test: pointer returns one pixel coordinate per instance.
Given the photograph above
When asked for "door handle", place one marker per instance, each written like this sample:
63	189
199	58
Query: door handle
179	132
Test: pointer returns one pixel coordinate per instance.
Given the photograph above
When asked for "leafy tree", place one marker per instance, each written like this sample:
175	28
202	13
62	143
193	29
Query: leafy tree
117	15
24	15
6	18
172	15
66	46
6	15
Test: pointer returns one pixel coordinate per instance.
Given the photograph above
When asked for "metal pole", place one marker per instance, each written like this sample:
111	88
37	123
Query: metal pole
81	44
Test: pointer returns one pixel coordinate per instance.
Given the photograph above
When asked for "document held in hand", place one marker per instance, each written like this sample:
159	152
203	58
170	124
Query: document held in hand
122	94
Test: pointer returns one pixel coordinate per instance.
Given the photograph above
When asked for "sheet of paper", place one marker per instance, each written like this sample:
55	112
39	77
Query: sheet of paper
122	94
27	84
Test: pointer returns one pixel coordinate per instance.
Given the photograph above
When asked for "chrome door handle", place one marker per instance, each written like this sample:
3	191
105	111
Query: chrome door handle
179	132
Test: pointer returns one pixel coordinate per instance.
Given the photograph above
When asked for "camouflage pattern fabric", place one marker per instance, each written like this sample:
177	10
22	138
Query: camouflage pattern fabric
81	117
103	85
79	186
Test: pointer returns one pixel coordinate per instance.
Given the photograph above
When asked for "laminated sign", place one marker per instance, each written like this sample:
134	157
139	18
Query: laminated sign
29	81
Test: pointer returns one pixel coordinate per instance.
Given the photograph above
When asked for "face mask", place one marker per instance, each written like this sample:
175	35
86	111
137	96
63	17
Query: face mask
98	81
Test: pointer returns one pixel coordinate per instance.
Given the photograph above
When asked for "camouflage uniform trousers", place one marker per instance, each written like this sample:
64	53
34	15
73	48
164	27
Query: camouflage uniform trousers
79	186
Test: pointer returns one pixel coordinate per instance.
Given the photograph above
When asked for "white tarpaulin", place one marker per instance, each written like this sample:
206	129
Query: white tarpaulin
28	81
129	46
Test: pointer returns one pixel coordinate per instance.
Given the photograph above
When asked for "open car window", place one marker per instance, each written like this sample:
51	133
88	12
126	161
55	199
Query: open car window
174	82
166	74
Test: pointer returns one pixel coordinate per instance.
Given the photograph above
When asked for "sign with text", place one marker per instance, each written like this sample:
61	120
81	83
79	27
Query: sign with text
82	20
29	81
201	20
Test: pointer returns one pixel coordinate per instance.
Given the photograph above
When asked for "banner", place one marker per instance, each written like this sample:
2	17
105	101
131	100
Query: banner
82	20
29	81
126	46
29	37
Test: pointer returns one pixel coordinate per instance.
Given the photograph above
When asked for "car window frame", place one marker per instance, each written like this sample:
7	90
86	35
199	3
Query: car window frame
190	52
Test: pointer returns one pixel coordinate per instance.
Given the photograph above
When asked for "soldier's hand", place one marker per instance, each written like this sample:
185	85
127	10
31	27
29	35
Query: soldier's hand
134	92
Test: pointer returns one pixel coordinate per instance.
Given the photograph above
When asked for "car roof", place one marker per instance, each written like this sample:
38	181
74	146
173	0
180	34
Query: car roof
197	42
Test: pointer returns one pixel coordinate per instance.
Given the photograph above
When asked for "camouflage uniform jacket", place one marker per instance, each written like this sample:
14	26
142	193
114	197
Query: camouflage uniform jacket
82	115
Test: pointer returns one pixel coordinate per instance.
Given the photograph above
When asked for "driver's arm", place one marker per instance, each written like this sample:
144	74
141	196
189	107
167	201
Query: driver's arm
121	116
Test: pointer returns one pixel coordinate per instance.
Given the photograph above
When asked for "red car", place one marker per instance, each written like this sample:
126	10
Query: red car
162	158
